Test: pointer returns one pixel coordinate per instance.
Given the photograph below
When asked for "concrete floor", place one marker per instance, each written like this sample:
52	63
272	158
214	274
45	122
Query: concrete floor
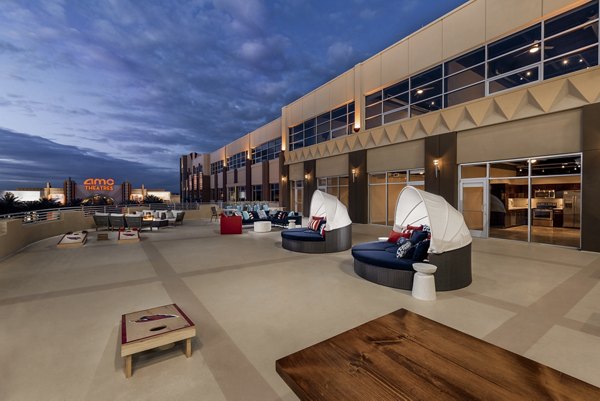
254	302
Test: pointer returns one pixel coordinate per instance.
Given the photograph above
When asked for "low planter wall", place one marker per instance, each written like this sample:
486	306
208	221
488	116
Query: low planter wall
14	235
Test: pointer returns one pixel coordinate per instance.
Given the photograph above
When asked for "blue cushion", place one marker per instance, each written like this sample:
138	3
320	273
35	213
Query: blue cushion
302	234
421	249
405	249
245	215
382	259
376	246
418	236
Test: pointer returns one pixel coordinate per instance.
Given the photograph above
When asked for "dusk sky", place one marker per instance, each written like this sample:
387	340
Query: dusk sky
121	89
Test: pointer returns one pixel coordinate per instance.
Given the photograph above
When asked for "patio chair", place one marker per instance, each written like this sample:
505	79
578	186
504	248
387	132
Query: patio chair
134	221
214	213
117	220
101	220
179	218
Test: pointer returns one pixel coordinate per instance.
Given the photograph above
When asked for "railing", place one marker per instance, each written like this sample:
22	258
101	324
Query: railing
37	216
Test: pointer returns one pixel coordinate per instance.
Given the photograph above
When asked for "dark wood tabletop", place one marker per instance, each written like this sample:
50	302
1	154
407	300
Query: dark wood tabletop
405	356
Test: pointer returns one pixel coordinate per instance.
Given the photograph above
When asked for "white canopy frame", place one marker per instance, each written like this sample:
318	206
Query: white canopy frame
448	228
325	205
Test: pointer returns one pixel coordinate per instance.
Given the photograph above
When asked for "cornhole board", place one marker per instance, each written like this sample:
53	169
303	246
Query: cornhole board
151	328
128	236
73	240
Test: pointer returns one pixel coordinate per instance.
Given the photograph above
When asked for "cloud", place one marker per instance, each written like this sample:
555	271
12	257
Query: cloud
45	160
339	53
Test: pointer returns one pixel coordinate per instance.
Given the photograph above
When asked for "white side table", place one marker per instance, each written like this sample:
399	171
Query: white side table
424	282
262	226
291	224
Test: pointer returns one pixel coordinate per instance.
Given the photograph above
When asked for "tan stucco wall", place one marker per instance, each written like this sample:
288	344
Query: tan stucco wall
14	235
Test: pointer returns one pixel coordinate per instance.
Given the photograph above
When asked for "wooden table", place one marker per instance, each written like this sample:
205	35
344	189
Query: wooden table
405	356
151	328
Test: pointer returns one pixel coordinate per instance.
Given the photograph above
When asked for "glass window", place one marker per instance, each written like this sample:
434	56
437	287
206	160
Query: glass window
527	37
395	115
318	129
377	178
395	103
464	95
425	77
396	89
577	39
426	106
373	110
396	177
465	61
556	166
509	169
274	189
571	19
570	63
465	78
512	61
473	171
426	91
373	122
514	80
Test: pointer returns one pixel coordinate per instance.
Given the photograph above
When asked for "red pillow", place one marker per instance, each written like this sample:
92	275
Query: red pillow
314	223
394	236
417	228
406	233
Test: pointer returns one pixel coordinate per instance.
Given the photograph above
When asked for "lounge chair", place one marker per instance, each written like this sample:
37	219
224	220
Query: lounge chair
117	221
134	221
179	218
101	220
214	213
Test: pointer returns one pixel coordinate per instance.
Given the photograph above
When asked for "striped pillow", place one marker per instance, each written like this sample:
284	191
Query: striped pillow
314	223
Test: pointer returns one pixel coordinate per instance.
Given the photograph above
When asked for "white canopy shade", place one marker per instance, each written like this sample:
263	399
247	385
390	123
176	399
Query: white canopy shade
448	228
325	205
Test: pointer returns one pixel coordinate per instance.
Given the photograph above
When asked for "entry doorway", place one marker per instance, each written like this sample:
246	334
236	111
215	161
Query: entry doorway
473	202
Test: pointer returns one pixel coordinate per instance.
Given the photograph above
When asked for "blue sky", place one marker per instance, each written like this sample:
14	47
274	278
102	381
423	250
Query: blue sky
121	89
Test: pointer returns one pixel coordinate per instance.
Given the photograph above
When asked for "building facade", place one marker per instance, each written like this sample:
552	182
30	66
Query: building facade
494	106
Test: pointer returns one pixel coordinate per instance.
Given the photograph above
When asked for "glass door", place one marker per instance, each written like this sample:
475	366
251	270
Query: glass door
473	204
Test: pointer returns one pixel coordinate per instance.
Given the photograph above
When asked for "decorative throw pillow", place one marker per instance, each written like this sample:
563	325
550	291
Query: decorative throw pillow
322	230
262	214
421	249
418	236
250	216
405	250
314	223
237	213
284	215
163	216
170	215
415	228
394	237
291	214
245	215
406	233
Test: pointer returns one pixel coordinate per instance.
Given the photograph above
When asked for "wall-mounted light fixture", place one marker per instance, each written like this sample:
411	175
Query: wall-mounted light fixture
356	126
307	176
436	164
283	178
354	174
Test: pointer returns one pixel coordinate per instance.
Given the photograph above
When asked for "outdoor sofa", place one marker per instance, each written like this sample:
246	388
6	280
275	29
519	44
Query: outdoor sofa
448	248
332	230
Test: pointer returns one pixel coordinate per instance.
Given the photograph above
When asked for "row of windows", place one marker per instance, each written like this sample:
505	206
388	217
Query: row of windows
216	167
333	124
384	189
336	186
238	160
267	151
563	44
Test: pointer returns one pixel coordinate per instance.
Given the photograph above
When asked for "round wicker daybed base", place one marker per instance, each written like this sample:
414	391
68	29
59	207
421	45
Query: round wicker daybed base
453	271
336	240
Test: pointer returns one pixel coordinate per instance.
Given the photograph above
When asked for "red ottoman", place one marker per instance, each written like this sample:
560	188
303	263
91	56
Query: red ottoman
231	224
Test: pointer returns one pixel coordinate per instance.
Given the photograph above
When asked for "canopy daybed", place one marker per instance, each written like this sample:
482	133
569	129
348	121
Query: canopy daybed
449	246
336	235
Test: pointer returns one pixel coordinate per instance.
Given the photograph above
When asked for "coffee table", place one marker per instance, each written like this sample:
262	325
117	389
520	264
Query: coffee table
155	327
405	356
159	223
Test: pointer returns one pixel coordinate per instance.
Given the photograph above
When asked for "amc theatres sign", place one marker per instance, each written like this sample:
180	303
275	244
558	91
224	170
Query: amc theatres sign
99	184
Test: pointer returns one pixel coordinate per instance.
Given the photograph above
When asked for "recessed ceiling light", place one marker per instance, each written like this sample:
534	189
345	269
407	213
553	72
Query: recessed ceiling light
533	161
566	61
432	103
581	60
534	49
419	91
528	73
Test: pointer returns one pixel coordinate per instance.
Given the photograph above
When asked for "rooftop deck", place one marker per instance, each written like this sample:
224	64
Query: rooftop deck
253	303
